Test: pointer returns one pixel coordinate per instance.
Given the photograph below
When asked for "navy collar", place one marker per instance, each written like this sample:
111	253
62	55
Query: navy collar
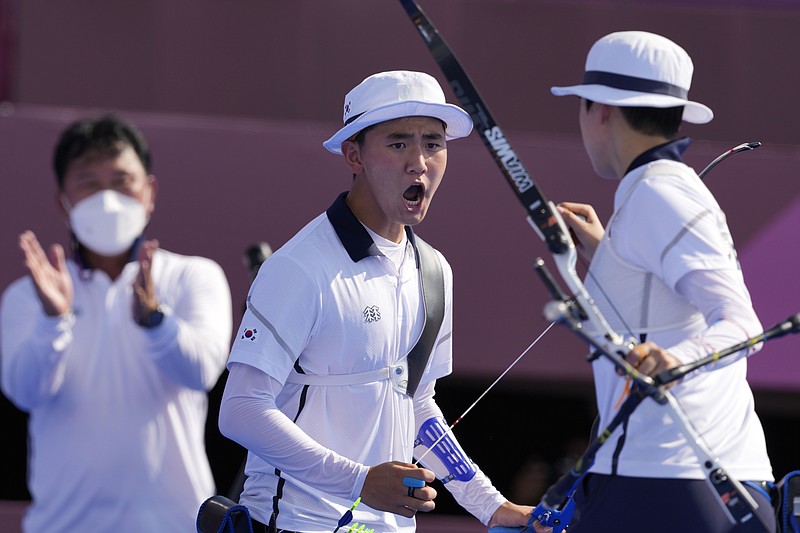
671	150
79	251
354	237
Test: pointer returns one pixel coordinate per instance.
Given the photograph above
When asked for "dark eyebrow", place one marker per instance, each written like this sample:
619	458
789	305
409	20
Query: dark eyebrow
433	136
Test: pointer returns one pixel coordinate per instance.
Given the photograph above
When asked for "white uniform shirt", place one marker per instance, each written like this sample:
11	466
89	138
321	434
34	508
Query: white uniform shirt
330	304
665	228
117	412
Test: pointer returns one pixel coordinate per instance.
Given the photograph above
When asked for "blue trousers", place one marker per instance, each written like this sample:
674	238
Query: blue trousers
617	504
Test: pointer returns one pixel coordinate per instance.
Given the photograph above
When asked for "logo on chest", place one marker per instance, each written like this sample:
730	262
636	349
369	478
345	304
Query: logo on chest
372	313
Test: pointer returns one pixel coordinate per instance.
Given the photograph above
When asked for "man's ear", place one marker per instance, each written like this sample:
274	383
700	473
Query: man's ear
606	111
153	192
352	156
61	205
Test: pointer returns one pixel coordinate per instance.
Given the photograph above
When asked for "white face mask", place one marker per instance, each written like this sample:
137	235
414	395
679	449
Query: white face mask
108	222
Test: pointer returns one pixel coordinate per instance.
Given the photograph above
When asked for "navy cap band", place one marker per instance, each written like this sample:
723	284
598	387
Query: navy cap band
631	83
351	119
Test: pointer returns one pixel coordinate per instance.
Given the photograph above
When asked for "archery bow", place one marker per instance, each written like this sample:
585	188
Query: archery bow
580	309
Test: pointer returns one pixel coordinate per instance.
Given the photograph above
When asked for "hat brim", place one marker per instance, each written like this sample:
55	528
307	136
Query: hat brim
693	112
457	121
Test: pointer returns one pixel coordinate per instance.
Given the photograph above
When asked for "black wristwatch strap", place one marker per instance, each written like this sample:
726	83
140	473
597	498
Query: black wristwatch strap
152	318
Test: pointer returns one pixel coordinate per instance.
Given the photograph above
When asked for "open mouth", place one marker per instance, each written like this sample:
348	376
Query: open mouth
413	195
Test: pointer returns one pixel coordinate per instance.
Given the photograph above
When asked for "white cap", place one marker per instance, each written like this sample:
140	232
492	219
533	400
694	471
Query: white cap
397	94
639	69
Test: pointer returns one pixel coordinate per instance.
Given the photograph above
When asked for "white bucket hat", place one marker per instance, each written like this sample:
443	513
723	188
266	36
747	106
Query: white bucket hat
396	94
639	69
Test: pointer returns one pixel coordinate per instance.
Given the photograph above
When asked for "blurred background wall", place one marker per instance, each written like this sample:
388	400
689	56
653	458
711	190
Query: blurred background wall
236	98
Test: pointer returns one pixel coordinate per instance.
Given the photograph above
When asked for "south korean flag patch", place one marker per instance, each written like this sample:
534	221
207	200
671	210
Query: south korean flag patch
249	334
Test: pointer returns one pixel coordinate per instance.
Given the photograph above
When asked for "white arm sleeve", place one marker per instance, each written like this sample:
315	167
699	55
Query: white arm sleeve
191	345
477	496
32	347
725	303
249	416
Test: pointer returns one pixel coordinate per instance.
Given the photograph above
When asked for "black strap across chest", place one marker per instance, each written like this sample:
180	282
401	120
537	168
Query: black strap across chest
432	282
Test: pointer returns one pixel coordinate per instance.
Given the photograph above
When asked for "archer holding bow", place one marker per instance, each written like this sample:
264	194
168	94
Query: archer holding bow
323	389
664	269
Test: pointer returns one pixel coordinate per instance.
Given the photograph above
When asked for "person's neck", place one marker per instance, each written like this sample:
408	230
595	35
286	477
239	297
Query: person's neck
630	145
112	266
365	211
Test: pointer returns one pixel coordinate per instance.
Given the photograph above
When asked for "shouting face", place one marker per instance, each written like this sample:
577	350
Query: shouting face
397	167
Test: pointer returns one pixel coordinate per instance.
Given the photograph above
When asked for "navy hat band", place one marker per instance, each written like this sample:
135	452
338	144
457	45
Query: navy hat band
631	83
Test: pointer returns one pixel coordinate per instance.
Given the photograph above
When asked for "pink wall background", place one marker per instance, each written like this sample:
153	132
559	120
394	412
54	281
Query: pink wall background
236	99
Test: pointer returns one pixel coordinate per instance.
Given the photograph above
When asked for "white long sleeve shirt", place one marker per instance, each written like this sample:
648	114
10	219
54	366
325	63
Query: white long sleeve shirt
668	269
330	303
117	412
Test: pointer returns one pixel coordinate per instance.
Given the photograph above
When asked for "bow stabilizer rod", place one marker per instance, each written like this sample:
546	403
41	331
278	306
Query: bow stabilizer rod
790	325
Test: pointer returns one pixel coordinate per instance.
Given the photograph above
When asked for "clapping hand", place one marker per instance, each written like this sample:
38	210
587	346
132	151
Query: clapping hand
49	273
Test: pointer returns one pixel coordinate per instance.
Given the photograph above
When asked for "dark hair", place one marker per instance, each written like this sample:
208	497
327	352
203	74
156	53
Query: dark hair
652	120
107	135
358	138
